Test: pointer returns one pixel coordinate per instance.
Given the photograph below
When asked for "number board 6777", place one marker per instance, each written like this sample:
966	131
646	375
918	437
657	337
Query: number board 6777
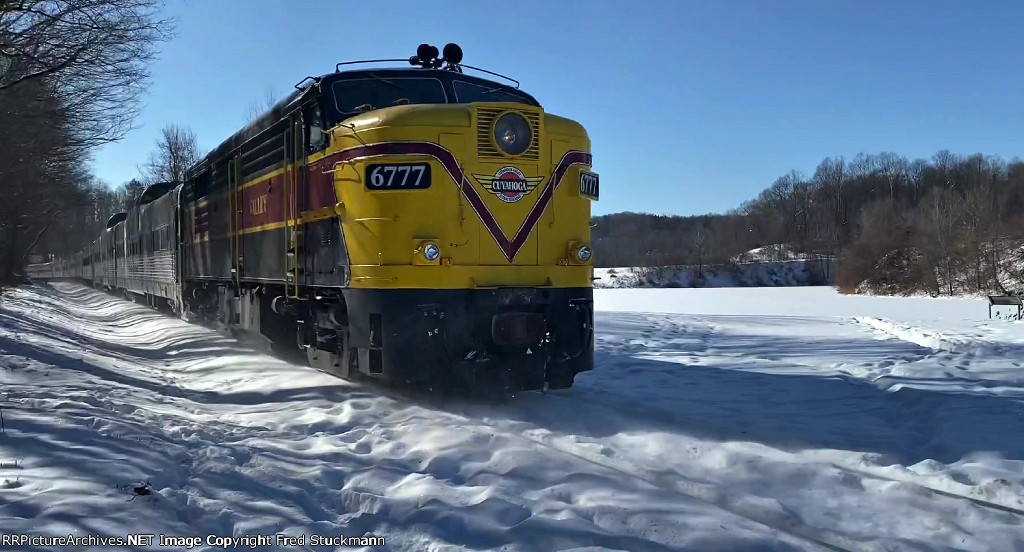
397	176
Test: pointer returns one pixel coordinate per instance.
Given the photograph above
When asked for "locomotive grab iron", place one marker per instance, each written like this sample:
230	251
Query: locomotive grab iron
412	224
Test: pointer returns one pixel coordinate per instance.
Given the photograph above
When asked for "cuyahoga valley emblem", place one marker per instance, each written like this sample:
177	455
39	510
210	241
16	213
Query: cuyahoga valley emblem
509	184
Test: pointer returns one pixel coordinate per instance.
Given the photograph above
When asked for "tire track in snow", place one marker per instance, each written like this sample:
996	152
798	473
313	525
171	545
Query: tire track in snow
660	416
919	336
980	502
708	494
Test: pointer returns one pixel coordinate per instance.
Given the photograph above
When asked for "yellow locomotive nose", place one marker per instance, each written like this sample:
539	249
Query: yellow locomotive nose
498	187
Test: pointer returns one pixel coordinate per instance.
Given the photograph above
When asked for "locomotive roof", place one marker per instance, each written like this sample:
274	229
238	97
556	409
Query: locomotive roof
313	85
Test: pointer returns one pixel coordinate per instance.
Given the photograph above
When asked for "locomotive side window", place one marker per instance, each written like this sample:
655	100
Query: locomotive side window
314	128
201	185
355	96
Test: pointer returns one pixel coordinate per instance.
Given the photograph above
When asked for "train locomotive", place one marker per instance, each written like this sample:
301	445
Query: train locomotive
412	224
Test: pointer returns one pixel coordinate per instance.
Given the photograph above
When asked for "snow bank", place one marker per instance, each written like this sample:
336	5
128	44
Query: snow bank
756	274
773	252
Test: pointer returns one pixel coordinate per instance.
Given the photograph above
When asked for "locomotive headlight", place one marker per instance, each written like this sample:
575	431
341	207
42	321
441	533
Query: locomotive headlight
512	133
584	253
425	251
431	252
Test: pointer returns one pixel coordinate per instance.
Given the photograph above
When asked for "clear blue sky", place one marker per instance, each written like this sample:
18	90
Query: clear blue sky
692	106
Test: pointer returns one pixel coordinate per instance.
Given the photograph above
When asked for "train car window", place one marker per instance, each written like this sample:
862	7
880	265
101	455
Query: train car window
353	96
469	92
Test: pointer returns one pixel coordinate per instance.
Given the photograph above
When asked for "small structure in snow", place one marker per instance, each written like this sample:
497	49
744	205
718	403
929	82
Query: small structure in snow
1005	300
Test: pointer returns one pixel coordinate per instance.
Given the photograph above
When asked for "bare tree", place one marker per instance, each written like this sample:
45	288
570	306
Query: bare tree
176	151
94	54
258	108
71	75
39	174
829	178
895	169
940	233
700	249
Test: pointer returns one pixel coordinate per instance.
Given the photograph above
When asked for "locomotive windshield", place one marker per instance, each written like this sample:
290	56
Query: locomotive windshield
377	90
353	96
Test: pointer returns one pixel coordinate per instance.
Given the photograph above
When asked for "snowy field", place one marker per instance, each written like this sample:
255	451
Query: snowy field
716	419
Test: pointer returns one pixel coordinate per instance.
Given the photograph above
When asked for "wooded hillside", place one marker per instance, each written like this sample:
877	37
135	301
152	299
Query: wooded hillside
949	224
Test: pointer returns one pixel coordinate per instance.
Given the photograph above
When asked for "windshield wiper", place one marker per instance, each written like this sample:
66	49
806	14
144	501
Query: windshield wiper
389	83
507	92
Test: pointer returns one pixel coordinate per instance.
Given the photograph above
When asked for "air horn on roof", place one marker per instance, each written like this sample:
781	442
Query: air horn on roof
426	57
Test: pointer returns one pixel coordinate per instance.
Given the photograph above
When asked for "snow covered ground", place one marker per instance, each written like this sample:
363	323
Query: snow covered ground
716	419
